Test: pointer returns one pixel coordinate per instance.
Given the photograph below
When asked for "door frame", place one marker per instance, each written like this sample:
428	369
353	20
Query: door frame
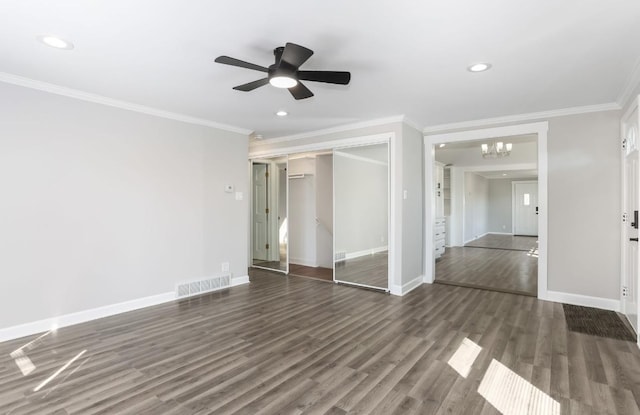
265	160
513	202
430	140
635	104
395	204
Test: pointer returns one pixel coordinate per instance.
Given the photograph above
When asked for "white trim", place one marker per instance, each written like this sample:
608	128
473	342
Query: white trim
239	281
129	106
500	233
360	158
358	254
632	83
339	129
583	300
404	289
522	117
324	145
411	123
302	261
540	129
71	319
476	238
65	320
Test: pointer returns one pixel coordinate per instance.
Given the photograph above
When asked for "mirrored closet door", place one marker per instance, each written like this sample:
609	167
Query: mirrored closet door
361	208
269	227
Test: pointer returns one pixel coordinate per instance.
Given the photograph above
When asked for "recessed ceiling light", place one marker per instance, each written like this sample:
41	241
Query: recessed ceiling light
442	145
479	67
282	113
55	42
504	174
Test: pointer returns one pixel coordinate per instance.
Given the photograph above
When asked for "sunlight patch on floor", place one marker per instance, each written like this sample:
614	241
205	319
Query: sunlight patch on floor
511	394
463	359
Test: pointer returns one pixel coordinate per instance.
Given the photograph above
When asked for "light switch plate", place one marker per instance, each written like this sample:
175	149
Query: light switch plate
239	196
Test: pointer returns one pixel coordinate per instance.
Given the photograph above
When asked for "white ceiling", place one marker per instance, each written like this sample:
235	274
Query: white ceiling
406	57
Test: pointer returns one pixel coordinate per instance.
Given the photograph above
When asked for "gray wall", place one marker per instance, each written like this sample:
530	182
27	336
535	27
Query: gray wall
584	204
102	205
324	210
302	213
413	205
476	205
500	206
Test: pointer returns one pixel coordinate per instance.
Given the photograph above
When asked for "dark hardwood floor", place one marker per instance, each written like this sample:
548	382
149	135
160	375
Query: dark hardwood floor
510	242
369	270
319	273
295	345
502	264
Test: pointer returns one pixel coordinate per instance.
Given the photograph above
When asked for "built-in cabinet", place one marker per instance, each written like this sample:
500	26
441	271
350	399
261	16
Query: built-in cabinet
441	193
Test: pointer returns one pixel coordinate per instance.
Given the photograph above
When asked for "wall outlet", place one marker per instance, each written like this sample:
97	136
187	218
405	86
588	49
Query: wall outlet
225	267
625	291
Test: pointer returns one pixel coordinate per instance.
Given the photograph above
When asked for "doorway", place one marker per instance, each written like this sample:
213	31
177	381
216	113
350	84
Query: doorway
460	233
311	215
269	227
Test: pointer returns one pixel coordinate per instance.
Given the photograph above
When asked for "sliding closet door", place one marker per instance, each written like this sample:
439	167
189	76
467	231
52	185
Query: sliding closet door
361	212
269	227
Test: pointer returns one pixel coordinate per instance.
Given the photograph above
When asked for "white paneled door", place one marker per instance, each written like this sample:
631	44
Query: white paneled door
525	208
631	254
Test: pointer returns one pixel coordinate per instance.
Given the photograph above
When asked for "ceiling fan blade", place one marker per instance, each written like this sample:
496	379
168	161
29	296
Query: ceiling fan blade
300	91
237	62
330	77
295	55
252	85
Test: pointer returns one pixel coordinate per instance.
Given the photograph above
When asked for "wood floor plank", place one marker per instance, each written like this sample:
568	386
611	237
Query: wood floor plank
293	345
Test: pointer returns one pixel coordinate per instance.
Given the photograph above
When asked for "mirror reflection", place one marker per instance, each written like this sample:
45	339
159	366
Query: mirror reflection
361	195
269	213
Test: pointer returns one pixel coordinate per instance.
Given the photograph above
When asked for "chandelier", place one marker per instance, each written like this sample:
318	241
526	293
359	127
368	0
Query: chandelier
496	149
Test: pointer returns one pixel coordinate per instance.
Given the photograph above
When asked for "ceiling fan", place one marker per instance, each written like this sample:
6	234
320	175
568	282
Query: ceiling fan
285	73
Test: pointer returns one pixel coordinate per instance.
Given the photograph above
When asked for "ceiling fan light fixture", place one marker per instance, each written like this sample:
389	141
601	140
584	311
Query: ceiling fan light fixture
283	82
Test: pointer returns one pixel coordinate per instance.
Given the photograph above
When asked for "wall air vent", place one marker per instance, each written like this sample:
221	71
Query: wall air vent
195	287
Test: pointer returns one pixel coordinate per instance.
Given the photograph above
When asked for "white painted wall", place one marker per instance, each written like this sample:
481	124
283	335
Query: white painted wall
476	206
102	205
302	213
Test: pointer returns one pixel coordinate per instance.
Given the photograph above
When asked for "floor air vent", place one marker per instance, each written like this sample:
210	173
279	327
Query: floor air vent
195	287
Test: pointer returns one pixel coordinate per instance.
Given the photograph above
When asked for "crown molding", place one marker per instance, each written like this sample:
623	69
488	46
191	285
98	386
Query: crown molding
332	130
411	123
129	106
522	117
632	83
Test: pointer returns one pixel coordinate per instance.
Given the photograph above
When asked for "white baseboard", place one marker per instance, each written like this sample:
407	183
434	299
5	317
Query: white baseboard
239	280
404	289
358	254
302	261
500	233
583	300
65	320
35	327
477	237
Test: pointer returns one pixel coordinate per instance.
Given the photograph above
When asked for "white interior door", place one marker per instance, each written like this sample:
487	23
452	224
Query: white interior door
631	275
260	204
525	208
